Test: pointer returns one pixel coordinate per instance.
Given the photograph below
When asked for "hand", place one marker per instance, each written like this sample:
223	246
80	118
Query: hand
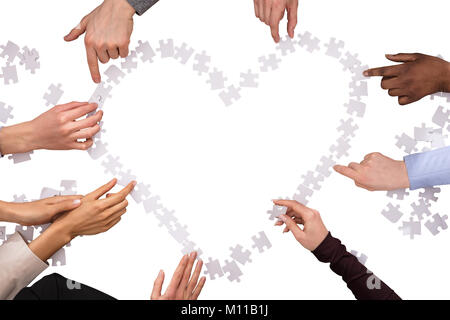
37	212
418	76
181	288
55	129
108	30
377	172
314	231
271	12
95	215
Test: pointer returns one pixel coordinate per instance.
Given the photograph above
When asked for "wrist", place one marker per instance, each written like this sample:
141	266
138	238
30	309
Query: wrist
403	179
49	242
16	139
60	233
64	229
123	6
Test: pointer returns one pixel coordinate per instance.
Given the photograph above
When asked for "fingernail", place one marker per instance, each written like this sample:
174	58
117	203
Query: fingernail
134	183
283	218
160	273
366	73
76	201
193	254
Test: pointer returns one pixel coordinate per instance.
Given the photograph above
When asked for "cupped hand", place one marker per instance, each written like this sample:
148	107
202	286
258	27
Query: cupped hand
183	286
55	129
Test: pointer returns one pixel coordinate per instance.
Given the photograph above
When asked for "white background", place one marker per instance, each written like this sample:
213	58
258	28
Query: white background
219	167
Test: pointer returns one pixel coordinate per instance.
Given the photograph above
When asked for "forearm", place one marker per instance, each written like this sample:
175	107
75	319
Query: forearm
446	82
5	212
358	279
18	266
16	139
428	169
140	6
49	242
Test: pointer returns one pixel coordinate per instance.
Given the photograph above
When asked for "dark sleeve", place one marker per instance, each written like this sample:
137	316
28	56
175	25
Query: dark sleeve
141	5
362	282
56	287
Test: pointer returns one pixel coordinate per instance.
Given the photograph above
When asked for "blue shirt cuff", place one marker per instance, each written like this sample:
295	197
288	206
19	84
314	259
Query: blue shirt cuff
428	169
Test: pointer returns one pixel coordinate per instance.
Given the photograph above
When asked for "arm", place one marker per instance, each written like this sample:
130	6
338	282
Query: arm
316	238
419	170
429	168
56	129
21	263
417	76
140	6
363	284
18	266
108	30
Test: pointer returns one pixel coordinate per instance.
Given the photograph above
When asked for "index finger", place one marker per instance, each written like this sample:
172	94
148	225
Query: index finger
389	71
119	196
93	64
275	24
82	110
298	208
347	171
94	195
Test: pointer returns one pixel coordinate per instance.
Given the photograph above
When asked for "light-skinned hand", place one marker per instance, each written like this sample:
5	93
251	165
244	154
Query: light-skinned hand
95	215
108	30
377	172
183	286
55	129
271	12
313	232
417	76
37	212
92	216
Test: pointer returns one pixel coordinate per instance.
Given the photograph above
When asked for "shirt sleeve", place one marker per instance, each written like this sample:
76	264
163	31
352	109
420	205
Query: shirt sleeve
140	6
18	266
362	282
427	169
1	156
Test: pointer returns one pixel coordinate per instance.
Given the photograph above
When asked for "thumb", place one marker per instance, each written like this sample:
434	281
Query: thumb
77	31
298	233
402	57
67	205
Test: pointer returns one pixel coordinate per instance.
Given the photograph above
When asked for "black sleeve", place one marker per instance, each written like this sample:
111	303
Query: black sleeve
362	282
140	6
56	287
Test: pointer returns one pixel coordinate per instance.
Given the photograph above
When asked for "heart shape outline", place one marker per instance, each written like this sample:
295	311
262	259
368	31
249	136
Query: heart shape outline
312	179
